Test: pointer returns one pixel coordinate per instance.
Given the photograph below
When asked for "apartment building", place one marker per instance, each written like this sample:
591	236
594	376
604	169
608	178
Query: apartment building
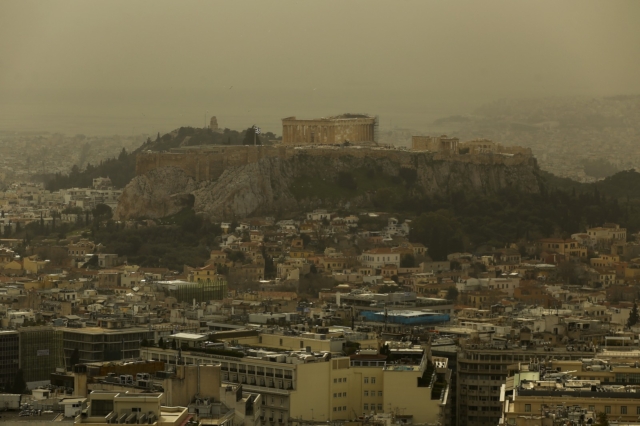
96	344
105	407
484	367
40	353
315	386
9	357
545	393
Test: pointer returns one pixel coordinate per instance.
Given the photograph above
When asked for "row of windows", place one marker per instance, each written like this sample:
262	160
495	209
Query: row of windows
607	409
373	393
373	380
475	408
343	408
340	380
340	395
482	398
373	407
273	402
483	388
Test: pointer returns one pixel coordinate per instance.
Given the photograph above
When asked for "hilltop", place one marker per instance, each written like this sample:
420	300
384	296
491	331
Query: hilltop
234	183
122	169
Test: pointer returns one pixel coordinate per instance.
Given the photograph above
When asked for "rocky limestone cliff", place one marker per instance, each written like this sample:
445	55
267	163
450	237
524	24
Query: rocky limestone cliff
272	185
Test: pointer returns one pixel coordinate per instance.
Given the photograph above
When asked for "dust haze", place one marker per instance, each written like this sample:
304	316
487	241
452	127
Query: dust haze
148	66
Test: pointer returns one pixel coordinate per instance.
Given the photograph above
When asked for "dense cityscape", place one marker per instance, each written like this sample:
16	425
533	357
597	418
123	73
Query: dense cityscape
284	213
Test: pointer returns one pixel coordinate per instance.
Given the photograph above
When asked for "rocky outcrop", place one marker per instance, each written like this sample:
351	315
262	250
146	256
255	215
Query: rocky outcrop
266	186
159	193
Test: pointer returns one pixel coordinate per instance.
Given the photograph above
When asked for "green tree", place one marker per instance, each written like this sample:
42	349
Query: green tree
102	212
249	137
452	293
75	358
19	385
408	261
440	231
602	419
633	316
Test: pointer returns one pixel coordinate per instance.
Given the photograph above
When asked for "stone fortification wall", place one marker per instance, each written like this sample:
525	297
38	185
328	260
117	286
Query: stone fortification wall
209	163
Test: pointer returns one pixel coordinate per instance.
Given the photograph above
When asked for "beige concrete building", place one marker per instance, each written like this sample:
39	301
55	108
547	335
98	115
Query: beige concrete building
607	234
352	128
124	407
312	386
544	394
442	143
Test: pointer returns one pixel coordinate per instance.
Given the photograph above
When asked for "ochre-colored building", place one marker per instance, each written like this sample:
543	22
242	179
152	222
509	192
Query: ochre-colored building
352	128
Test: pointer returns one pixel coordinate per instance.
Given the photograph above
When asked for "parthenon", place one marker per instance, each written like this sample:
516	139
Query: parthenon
352	128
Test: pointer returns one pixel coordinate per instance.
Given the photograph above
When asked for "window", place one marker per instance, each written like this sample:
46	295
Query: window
593	408
380	407
638	411
623	409
379	393
373	380
366	393
335	395
339	380
607	409
344	380
344	408
335	380
527	408
366	407
335	408
366	380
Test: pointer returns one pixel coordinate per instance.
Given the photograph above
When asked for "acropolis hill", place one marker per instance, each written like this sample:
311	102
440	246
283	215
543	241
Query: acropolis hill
301	172
208	163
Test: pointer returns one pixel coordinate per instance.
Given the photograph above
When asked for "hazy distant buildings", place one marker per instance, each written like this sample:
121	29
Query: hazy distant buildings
352	128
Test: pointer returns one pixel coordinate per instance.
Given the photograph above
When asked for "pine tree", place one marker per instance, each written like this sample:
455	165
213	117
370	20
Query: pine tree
249	137
634	317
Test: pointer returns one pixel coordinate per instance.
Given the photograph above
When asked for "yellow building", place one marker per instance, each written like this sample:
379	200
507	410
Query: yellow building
107	407
568	247
314	386
33	264
209	272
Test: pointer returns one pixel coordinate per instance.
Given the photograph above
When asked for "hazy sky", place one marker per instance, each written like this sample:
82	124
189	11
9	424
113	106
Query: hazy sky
263	58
